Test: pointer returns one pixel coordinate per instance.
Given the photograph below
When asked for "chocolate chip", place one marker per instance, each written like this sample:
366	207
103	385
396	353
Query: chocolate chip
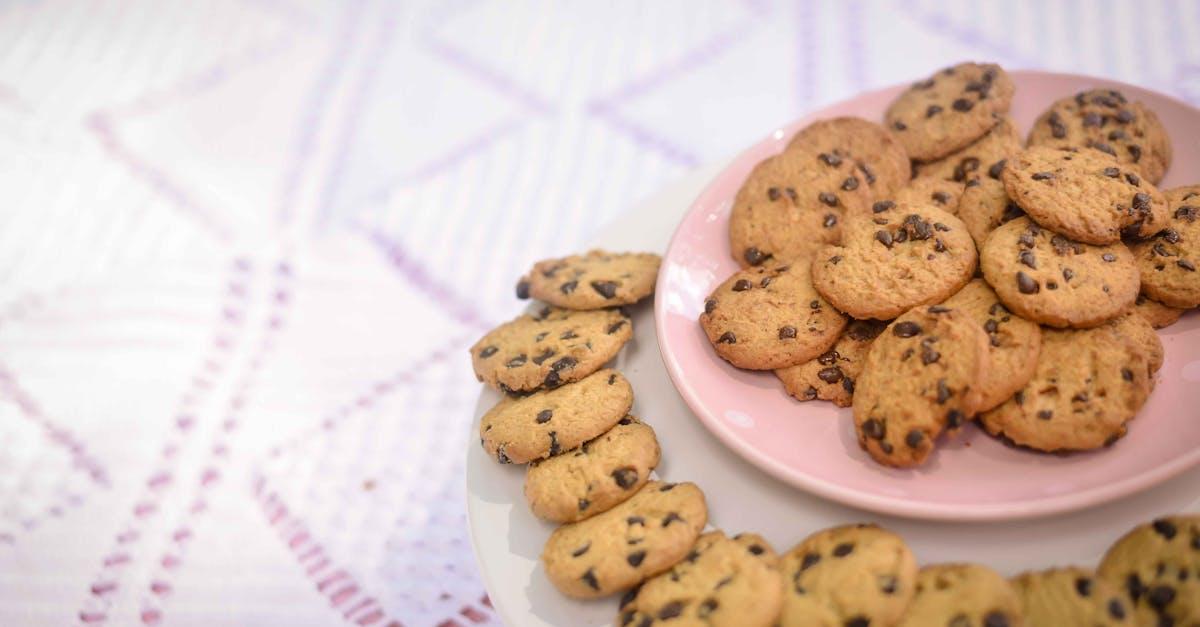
555	449
810	560
501	456
1112	172
727	338
858	621
867	173
828	199
581	550
568	287
884	237
832	374
1068	274
584	504
487	351
544	416
995	619
1057	128
670	518
1042	176
629	597
997	168
1026	257
607	289
1045	414
830	159
963	105
635	520
929	356
625	477
965	167
635	558
1160	597
565	362
1083	586
932	111
1133	180
667	487
882	206
755	549
835	259
1116	609
1125	116
522	289
954	418
754	256
741	285
1186	265
830	221
519	360
941	197
914	438
1135	152
547	354
772	193
1127	374
589	578
906	328
1026	284
1165	528
873	429
670	610
1092	119
848	385
943	392
710	305
1103	147
810	393
899	126
850	184
787	333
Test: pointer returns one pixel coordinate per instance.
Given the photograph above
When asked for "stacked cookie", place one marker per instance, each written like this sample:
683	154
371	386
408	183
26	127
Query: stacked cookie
933	270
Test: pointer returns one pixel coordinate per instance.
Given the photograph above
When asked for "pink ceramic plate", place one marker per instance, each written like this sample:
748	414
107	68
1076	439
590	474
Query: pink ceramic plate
812	445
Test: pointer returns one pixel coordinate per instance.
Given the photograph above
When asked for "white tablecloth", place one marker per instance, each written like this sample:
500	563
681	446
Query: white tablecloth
244	245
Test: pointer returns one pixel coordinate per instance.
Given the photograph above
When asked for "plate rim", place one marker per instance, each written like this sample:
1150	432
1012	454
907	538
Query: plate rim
897	506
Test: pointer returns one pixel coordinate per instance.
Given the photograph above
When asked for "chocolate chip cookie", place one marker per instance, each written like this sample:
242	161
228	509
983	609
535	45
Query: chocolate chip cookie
1071	596
1051	279
831	376
544	424
593	281
950	110
876	153
792	204
988	154
614	551
770	317
1134	327
1013	342
851	575
595	477
893	258
1168	261
549	347
962	594
984	206
1159	316
1084	194
921	377
939	192
723	582
1104	119
1088	385
1157	564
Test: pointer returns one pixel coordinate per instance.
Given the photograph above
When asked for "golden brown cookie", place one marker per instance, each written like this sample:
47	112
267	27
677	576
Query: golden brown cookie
723	582
1134	327
518	430
950	110
615	551
1104	119
1088	384
875	152
770	317
962	594
1159	316
1084	195
1071	596
549	347
592	281
1168	261
922	376
941	193
894	258
853	575
595	477
1156	563
831	376
792	204
1013	342
984	206
986	155
1050	279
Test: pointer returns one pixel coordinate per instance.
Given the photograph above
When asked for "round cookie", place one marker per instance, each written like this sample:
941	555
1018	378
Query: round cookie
594	477
1071	596
1168	262
875	151
1157	564
544	424
1048	278
592	281
949	110
722	582
1013	342
1088	384
848	575
770	317
792	204
548	348
941	193
962	594
985	155
1084	195
895	257
984	206
831	376
1159	316
1105	120
614	551
921	377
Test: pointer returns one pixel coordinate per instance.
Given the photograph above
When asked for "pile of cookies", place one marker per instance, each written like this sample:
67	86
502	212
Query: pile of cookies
936	270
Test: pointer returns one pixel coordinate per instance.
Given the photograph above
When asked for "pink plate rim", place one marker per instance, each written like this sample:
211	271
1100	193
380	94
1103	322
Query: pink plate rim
1031	508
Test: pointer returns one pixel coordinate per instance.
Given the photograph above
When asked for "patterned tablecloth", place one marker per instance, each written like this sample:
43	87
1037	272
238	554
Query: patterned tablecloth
245	243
